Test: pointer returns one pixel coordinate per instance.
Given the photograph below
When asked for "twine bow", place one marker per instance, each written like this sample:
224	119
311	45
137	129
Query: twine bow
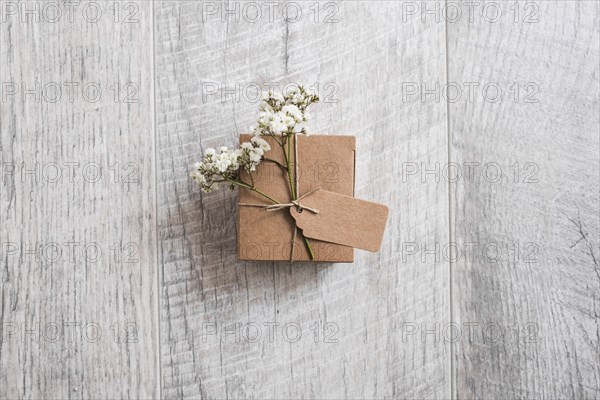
280	206
294	203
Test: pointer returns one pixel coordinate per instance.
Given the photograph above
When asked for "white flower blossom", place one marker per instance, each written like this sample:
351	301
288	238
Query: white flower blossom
278	97
277	126
284	115
254	157
289	122
281	116
261	143
198	177
222	164
293	112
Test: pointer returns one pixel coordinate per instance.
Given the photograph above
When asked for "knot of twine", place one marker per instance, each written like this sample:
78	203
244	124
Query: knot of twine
294	203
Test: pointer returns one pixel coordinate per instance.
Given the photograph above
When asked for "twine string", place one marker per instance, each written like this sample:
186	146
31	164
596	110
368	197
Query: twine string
281	206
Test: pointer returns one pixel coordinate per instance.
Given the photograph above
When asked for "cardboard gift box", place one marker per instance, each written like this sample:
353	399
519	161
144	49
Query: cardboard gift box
325	162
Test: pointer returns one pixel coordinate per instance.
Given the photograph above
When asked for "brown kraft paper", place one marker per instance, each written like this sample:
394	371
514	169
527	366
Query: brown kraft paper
335	218
325	162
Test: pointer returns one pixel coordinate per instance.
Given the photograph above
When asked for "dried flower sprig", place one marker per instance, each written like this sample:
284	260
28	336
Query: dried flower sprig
281	117
223	166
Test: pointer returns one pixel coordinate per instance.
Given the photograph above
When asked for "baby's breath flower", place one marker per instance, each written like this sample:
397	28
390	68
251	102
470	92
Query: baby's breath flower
260	143
280	117
222	164
293	111
223	167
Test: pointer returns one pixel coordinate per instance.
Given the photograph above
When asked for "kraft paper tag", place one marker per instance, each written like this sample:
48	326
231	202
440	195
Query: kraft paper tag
342	219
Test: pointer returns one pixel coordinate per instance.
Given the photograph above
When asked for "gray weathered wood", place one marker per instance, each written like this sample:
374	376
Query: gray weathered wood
363	60
378	328
69	305
550	290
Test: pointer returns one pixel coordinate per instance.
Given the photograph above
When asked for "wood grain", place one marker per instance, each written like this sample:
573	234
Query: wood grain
549	290
513	314
359	310
78	267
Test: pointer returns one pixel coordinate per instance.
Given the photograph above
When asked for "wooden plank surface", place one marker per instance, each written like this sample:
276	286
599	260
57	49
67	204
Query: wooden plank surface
532	296
78	267
513	314
352	317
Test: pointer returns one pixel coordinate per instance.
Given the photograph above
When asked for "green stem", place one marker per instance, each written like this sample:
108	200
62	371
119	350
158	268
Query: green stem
310	250
265	195
275	139
285	156
289	169
250	187
293	189
275	162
